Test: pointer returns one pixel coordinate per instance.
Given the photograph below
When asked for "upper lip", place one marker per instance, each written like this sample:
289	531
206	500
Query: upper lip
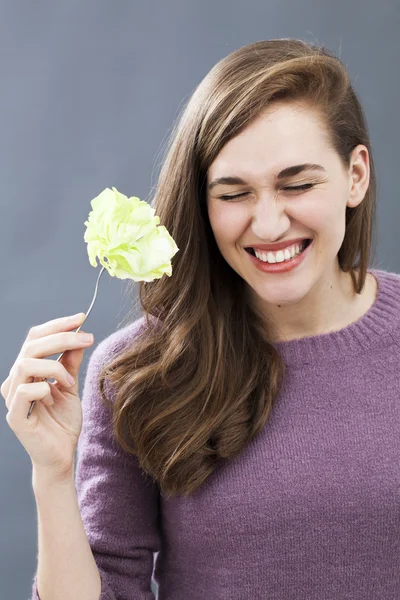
279	246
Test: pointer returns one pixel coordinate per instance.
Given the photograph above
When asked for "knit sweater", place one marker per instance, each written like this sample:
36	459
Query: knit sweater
310	510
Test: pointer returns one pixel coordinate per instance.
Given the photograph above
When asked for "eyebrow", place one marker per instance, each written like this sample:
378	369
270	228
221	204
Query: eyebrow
284	174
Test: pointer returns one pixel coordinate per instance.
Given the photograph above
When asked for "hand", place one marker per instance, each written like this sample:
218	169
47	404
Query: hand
51	433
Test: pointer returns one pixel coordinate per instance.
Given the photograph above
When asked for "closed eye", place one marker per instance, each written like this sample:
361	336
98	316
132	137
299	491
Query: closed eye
305	186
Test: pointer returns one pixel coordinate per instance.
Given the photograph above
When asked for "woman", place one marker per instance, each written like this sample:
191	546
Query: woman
246	428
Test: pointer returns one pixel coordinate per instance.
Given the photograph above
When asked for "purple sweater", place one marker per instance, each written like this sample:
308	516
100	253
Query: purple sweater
309	511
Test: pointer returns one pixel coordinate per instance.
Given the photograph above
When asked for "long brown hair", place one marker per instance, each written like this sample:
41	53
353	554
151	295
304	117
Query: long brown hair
200	380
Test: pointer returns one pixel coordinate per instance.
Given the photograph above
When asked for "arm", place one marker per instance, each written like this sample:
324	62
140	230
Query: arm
66	567
118	502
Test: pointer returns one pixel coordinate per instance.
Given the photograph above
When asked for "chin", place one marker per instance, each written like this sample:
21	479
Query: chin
281	299
283	293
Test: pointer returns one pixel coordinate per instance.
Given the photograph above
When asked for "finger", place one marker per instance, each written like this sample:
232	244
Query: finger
55	326
44	330
20	403
55	343
27	369
72	361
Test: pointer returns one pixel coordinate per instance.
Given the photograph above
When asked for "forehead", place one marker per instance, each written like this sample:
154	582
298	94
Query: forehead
285	134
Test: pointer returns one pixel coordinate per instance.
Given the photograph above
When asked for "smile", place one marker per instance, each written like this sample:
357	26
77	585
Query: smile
281	261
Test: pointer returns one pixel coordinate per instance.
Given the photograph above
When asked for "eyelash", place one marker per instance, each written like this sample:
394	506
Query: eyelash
305	186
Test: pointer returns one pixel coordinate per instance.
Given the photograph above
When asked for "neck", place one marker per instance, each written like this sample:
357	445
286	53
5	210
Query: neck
330	305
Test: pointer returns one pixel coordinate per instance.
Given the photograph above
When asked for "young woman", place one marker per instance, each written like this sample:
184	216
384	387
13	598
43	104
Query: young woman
246	429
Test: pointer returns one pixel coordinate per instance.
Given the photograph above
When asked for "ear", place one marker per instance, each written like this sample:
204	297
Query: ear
359	173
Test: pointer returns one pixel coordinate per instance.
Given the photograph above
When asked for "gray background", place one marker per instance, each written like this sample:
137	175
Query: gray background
89	93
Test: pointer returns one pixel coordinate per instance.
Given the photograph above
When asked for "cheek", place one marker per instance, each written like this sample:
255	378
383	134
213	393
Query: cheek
228	222
323	215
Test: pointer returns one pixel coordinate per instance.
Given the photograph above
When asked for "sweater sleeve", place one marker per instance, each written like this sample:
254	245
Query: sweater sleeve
118	501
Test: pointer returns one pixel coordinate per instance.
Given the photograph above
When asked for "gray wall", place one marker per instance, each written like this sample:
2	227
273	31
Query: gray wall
89	92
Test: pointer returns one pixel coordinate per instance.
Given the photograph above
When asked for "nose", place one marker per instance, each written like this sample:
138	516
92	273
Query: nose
269	219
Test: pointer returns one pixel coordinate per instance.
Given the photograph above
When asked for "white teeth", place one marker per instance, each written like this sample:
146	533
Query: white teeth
281	255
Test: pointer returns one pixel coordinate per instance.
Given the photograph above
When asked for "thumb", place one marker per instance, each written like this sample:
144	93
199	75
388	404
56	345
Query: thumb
72	360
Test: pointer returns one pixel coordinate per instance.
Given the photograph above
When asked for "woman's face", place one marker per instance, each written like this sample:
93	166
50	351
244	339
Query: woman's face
268	212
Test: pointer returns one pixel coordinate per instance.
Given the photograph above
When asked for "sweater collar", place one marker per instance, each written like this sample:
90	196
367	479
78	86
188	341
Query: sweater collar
374	329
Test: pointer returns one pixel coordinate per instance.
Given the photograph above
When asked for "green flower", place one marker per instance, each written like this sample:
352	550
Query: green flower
127	233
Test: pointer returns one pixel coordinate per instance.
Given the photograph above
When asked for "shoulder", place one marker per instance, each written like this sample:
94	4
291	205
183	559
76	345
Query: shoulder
112	345
388	286
120	339
386	309
103	354
387	276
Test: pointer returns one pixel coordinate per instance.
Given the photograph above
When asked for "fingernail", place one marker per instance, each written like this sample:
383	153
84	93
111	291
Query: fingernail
74	317
70	379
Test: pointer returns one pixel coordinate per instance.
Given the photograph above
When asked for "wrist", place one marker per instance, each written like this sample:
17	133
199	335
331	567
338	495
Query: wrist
45	478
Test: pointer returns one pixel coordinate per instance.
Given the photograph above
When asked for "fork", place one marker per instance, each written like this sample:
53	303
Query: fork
62	354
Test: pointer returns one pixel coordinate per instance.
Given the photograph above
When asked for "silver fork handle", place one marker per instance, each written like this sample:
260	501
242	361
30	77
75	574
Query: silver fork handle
62	354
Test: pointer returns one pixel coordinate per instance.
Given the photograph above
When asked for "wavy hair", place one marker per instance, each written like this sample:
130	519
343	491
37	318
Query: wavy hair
198	384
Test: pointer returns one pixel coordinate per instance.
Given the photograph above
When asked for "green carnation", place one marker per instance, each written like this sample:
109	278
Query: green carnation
126	232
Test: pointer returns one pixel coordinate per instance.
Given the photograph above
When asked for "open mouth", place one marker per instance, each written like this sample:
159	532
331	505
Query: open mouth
305	245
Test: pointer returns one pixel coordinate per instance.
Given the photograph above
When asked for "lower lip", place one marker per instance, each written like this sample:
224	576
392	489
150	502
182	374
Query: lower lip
281	267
